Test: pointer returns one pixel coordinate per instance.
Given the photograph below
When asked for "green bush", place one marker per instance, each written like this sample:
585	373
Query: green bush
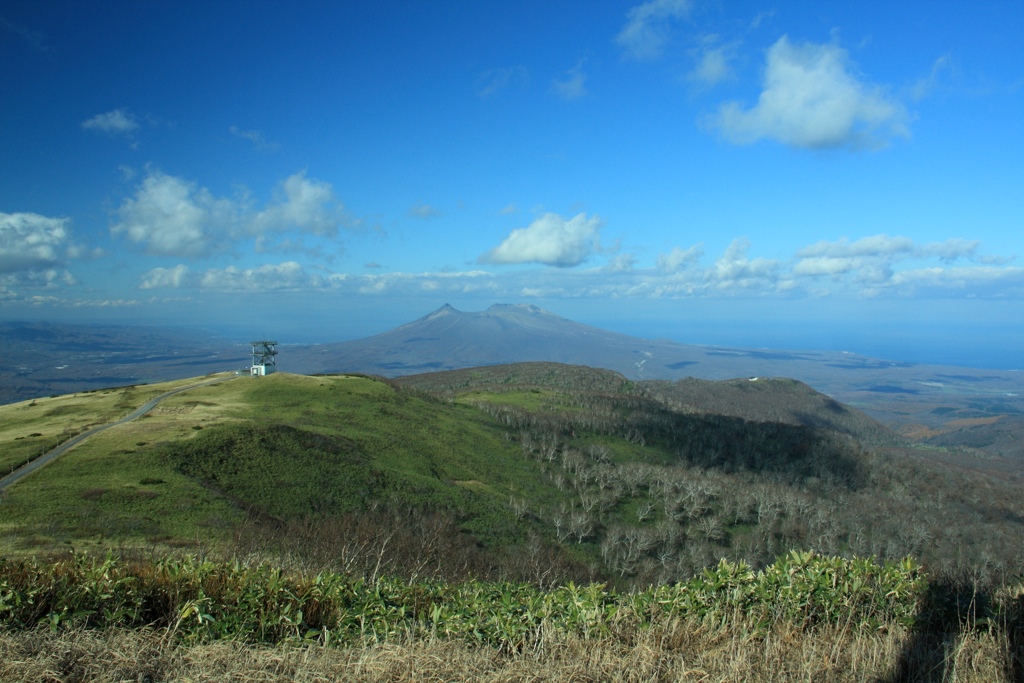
203	600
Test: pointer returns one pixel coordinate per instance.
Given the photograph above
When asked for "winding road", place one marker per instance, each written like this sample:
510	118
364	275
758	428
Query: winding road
32	466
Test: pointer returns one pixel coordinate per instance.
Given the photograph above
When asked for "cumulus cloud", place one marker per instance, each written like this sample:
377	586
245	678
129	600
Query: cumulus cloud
573	85
287	276
465	282
33	251
875	245
647	27
677	258
813	99
952	249
171	216
873	266
165	277
117	121
872	259
31	242
283	276
984	281
734	270
550	240
302	204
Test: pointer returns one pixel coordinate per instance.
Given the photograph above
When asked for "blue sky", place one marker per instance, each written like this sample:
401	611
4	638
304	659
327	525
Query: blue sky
800	174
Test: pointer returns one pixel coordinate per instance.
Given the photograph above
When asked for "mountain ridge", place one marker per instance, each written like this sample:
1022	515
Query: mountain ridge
936	403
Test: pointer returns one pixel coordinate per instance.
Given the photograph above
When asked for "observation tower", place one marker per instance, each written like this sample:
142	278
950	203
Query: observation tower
264	358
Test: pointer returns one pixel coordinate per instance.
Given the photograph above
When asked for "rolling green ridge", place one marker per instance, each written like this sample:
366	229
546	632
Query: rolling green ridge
538	472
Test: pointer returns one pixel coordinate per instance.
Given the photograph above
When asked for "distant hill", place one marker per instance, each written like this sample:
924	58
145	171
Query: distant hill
962	409
919	399
755	399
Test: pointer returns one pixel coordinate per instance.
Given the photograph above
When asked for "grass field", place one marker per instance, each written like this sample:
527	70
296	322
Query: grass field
30	428
498	470
289	445
112	488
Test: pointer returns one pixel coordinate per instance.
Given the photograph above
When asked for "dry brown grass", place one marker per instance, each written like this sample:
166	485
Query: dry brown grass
680	651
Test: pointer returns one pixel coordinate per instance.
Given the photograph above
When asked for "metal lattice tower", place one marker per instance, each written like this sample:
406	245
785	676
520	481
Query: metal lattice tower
264	353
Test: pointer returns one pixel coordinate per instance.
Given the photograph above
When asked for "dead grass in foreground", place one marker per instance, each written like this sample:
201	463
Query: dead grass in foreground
679	652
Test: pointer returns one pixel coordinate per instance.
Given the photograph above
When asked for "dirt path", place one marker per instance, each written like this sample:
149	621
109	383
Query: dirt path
30	467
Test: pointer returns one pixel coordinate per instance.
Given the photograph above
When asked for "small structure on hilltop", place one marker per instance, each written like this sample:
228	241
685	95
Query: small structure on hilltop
264	358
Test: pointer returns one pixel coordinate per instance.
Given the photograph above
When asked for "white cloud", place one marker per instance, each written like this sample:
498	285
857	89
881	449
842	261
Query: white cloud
33	251
975	281
872	260
678	258
863	268
44	278
302	204
283	276
465	282
875	245
813	99
170	216
116	121
286	276
647	27
550	240
173	217
952	249
735	271
573	86
31	242
165	277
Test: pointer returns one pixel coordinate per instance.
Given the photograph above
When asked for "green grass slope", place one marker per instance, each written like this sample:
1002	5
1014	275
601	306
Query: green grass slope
282	448
540	472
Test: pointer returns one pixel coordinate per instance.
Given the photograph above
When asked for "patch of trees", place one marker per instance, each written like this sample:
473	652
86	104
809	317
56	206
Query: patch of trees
635	490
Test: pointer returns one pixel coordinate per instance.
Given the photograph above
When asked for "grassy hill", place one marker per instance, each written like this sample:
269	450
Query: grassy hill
400	517
534	471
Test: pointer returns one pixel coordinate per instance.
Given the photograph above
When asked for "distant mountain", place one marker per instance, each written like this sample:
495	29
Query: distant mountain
449	339
955	407
916	399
